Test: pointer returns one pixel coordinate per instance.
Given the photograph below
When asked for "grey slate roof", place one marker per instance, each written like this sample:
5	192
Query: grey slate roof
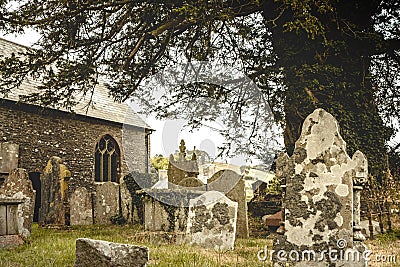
103	106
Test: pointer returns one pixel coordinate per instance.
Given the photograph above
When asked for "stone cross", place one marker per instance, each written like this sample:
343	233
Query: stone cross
321	198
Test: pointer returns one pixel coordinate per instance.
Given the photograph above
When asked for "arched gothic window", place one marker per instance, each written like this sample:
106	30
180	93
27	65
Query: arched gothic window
107	160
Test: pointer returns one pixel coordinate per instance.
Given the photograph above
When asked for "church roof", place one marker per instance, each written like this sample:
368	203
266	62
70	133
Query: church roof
102	107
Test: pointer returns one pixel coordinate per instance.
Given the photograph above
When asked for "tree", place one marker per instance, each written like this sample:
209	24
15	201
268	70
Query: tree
339	55
159	162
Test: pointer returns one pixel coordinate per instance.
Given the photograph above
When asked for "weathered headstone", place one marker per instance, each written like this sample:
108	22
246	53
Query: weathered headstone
107	202
167	209
18	187
101	253
182	168
212	221
222	181
54	208
320	208
8	157
126	203
81	207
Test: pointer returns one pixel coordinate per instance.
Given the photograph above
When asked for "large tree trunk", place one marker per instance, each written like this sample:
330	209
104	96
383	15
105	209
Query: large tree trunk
331	74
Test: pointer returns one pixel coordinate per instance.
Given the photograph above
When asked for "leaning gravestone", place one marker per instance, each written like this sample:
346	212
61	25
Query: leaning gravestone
321	202
18	187
54	204
90	252
81	207
212	221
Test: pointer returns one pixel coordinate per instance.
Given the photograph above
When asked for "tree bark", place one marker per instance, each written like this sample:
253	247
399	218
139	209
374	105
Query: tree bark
331	73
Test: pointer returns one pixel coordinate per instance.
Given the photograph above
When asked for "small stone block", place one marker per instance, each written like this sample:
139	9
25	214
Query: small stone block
99	253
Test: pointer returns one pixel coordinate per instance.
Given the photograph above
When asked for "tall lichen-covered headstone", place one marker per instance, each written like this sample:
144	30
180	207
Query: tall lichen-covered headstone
321	198
18	186
54	208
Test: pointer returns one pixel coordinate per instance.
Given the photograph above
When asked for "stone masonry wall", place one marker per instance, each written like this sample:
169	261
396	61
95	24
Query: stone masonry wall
42	134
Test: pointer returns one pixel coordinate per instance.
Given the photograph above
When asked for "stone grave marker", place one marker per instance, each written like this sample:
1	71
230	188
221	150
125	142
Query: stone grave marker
107	202
321	203
8	157
212	221
126	203
221	181
182	168
54	208
81	207
18	189
99	253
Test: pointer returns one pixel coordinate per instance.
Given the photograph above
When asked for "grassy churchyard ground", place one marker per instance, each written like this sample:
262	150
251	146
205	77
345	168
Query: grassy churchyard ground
56	247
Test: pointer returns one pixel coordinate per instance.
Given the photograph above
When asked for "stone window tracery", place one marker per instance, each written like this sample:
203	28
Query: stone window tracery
107	160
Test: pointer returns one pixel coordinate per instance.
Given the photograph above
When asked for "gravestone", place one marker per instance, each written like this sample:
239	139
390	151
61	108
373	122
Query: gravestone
81	207
167	209
182	168
107	202
18	187
54	208
8	157
223	180
212	221
321	203
99	253
126	203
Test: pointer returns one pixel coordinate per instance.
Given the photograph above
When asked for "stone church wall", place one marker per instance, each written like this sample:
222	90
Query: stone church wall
42	134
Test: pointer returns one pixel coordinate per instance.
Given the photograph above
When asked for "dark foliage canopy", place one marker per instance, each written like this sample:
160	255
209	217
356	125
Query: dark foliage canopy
341	55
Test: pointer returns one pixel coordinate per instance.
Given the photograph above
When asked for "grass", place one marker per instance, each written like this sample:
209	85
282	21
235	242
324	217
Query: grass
56	247
386	245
